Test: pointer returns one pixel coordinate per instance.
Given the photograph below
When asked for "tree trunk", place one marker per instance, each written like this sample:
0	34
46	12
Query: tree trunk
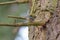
50	30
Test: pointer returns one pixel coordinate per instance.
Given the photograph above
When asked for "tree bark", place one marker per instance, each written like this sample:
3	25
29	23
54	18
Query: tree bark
49	31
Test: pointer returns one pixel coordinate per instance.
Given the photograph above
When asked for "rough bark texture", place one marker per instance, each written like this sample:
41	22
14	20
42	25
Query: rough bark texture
53	26
49	31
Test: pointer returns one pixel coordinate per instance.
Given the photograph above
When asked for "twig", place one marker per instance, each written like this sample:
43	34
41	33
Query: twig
10	2
32	7
13	2
17	17
23	24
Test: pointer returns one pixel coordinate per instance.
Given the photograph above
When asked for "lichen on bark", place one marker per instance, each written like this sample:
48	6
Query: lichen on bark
43	11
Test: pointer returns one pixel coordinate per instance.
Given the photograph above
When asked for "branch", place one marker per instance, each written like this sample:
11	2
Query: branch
23	24
10	2
17	17
13	2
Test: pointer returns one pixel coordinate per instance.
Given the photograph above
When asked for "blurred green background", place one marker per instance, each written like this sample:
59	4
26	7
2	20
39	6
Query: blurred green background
12	9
